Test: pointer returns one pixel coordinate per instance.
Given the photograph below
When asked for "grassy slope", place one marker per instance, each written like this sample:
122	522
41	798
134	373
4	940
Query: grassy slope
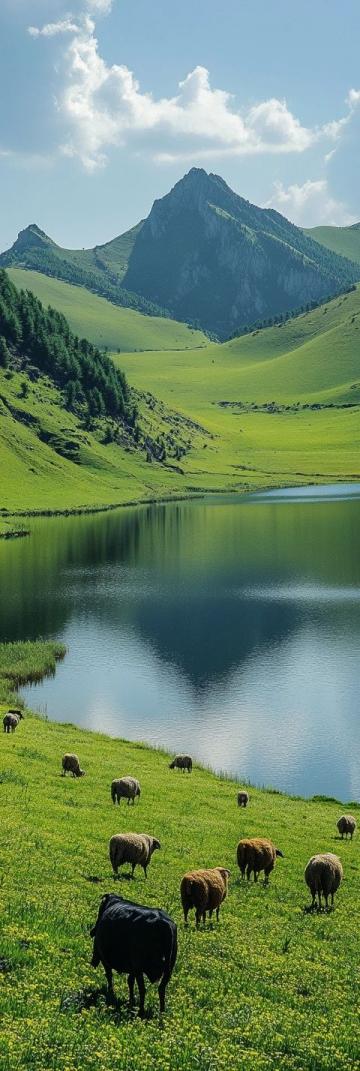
343	240
105	324
270	987
310	360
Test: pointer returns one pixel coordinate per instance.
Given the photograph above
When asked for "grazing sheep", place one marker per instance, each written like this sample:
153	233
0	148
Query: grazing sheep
125	788
204	890
70	764
11	720
323	875
134	848
346	824
181	762
134	940
255	855
243	798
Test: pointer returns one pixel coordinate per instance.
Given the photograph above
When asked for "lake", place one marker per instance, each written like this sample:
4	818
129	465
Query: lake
228	627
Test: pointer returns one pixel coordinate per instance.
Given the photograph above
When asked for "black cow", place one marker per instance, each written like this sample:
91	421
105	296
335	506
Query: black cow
134	940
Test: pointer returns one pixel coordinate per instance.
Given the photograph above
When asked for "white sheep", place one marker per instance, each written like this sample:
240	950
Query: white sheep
323	875
133	848
125	788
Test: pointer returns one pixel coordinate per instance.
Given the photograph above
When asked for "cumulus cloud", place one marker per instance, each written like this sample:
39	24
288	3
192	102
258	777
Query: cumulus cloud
310	204
102	106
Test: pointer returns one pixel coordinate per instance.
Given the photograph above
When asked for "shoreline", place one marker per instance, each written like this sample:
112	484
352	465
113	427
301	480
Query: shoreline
26	663
79	511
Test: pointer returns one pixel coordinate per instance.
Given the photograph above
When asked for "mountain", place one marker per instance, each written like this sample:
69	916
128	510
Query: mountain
342	240
100	270
210	256
204	256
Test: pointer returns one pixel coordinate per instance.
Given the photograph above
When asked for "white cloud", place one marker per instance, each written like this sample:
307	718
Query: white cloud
310	204
103	106
51	29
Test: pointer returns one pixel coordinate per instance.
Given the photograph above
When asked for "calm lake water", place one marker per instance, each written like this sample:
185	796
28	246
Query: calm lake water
227	627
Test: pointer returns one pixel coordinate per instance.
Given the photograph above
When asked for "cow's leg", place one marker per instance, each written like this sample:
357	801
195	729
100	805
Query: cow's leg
131	984
109	979
162	989
141	988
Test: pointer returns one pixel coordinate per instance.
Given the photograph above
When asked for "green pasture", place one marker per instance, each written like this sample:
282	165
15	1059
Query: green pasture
271	986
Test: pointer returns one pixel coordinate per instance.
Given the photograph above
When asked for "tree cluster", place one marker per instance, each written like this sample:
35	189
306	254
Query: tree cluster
42	338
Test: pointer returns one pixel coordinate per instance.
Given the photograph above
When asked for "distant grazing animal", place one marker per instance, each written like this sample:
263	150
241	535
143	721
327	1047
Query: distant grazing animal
181	762
255	855
125	788
243	798
323	875
133	848
134	940
11	720
204	890
70	764
346	824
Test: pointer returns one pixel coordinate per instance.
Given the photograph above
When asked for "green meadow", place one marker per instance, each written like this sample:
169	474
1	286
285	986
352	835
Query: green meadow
342	240
276	407
271	986
104	324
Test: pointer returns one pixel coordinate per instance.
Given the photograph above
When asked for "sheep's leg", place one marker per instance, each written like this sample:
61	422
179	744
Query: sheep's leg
133	865
141	988
248	872
145	869
204	917
217	914
198	916
319	898
332	899
186	912
131	984
255	875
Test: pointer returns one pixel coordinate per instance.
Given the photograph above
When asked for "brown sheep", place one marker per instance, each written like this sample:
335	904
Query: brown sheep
257	854
70	764
11	720
204	890
181	762
125	788
323	875
346	824
133	848
243	798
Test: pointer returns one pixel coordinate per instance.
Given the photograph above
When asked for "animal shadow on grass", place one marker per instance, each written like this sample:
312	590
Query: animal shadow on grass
314	909
118	1008
95	880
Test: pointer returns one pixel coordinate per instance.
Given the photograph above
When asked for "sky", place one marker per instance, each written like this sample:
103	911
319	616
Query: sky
105	104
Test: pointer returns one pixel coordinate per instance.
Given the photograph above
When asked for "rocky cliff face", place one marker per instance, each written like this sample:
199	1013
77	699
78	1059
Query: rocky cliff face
210	256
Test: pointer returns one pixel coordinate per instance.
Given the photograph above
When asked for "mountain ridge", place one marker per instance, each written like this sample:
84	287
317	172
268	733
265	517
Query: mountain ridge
204	256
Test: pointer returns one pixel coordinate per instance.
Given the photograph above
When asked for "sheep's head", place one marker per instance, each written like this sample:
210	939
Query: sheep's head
279	853
155	844
172	765
225	874
138	791
81	773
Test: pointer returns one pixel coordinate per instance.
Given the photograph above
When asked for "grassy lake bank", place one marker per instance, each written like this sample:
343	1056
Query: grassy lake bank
271	987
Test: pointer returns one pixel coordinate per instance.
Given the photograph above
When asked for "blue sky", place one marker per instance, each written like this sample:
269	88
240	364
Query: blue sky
104	104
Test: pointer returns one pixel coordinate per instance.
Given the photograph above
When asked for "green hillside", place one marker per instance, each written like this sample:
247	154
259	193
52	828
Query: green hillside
277	407
107	325
271	986
342	240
